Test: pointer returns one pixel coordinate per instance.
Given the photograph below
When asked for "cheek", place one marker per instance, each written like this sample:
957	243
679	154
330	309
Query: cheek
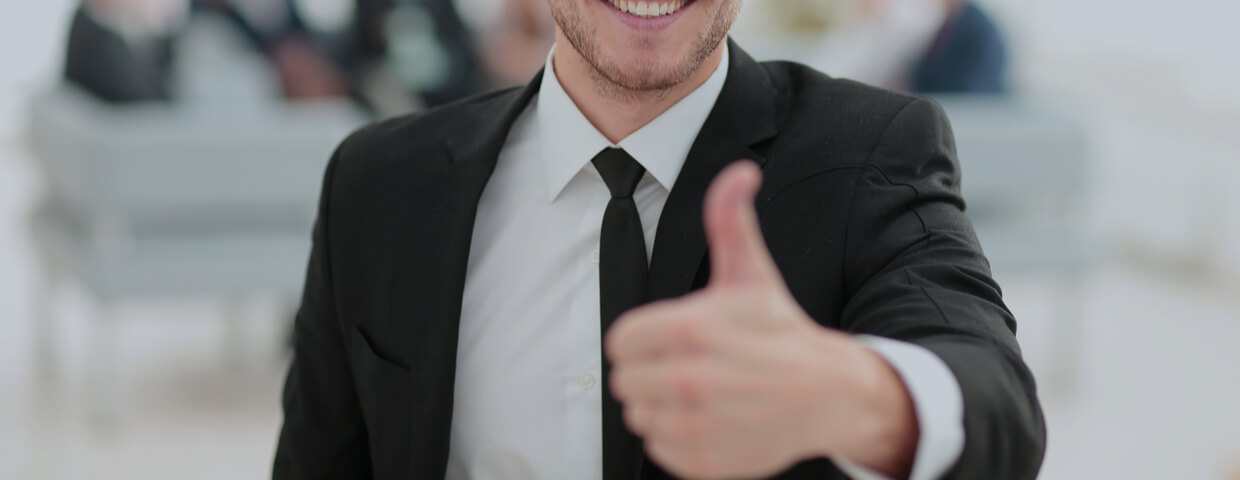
566	11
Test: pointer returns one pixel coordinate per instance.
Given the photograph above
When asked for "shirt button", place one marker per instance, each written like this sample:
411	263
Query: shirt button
594	256
587	381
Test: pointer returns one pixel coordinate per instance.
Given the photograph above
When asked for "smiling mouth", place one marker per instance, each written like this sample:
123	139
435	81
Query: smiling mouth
649	9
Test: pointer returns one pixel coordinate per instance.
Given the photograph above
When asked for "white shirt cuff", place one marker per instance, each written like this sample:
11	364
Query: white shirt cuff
938	402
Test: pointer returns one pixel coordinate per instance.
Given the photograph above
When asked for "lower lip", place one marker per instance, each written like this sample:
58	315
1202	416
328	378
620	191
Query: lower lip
651	23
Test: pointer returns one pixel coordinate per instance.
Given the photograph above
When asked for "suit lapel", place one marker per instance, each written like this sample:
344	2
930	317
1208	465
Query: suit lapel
744	115
430	256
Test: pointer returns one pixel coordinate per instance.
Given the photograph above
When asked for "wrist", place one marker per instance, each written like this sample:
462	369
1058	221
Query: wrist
880	431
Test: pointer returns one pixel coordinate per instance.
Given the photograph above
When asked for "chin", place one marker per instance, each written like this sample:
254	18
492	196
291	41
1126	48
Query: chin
642	45
652	69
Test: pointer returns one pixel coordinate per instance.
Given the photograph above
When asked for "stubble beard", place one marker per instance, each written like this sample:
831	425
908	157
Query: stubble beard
610	80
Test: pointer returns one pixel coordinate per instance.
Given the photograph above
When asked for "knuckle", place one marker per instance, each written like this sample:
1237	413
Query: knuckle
620	382
689	331
700	463
634	419
615	340
695	430
693	331
690	383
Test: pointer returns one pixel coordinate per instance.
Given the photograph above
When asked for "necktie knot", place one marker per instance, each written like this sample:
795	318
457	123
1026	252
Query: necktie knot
620	171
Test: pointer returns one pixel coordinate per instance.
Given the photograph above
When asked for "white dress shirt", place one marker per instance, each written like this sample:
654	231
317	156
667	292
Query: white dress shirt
528	401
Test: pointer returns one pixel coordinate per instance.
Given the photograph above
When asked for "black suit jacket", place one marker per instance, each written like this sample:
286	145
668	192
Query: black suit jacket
860	207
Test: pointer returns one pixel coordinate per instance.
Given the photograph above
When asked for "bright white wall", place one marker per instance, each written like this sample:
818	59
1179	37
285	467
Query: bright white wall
1159	82
31	51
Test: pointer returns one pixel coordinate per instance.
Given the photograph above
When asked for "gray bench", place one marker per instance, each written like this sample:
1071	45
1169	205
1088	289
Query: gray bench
172	201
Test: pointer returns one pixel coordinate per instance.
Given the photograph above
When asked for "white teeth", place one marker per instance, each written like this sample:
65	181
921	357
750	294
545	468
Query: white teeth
647	9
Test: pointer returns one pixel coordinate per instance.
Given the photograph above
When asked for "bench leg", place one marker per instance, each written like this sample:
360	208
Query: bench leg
236	314
1069	327
103	379
46	355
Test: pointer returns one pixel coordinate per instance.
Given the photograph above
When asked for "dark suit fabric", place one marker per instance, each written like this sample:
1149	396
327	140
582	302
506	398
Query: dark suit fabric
99	61
860	207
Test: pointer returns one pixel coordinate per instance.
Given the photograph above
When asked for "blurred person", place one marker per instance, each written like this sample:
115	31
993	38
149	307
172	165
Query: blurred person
967	55
112	50
517	46
120	50
924	46
577	279
419	46
304	68
123	50
430	33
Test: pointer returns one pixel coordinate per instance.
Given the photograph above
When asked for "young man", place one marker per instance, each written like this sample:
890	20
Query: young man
519	285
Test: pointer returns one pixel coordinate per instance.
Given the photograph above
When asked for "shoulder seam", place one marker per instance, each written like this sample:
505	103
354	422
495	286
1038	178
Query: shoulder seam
852	199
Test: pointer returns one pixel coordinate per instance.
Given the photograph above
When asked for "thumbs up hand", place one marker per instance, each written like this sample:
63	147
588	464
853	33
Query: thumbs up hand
736	381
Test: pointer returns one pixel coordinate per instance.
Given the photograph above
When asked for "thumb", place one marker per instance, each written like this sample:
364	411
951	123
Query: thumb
738	255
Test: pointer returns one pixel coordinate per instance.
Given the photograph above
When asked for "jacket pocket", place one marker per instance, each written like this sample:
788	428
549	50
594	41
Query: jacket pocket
385	392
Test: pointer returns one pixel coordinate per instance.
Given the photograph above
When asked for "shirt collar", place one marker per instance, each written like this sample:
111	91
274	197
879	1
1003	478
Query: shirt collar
569	140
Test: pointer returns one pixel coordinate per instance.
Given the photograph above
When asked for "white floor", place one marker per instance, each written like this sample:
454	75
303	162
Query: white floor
1154	393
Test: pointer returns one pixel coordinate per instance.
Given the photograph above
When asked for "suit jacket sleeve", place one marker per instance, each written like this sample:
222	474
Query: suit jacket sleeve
914	271
324	436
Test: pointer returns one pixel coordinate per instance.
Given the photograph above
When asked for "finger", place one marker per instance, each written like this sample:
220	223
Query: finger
669	455
639	418
737	252
685	382
660	328
684	459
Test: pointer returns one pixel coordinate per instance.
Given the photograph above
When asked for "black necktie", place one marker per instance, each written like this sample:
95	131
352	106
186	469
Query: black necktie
622	285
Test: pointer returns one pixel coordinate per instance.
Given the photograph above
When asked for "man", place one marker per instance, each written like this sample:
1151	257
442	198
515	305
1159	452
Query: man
469	260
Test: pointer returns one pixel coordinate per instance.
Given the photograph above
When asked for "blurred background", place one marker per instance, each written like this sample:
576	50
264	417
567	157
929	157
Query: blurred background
160	160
